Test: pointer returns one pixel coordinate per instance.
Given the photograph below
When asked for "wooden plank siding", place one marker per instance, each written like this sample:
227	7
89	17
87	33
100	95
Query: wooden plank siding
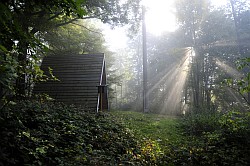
79	77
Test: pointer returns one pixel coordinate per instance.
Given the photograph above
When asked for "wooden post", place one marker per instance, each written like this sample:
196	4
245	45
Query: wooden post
101	92
101	100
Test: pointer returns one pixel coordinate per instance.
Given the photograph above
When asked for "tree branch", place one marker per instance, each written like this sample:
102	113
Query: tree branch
86	28
55	15
93	16
84	18
68	22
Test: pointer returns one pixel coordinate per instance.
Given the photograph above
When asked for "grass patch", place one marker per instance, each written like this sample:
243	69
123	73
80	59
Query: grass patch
162	128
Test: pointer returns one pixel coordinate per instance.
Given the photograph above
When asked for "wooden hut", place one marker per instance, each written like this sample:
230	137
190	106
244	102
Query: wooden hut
82	80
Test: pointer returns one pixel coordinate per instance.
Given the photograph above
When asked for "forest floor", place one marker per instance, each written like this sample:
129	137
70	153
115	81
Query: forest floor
202	139
36	133
160	128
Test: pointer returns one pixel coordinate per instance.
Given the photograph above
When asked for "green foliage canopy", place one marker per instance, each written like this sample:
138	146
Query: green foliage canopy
23	24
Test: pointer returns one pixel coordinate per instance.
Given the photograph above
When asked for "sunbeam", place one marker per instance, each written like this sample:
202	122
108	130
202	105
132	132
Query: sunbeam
172	102
236	97
232	72
173	78
235	74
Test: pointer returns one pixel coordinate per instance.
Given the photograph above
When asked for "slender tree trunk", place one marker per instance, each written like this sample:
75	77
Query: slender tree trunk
207	91
20	82
238	39
236	24
139	66
197	80
248	97
145	73
22	62
1	92
186	92
1	88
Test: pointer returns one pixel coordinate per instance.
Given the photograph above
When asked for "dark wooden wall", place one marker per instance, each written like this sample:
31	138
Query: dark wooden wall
79	77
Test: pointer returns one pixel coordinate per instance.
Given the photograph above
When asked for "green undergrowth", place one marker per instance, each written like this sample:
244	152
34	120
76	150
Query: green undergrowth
34	133
204	138
47	133
218	138
160	137
161	128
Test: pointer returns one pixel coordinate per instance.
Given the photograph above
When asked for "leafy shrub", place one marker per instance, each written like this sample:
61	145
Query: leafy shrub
34	133
225	142
197	123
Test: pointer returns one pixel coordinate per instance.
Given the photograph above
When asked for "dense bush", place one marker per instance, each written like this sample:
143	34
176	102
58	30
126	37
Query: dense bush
34	133
197	123
218	139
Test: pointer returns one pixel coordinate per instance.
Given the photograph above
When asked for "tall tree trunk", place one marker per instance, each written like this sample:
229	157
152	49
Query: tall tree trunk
196	80
1	87
238	38
22	62
206	79
20	82
236	24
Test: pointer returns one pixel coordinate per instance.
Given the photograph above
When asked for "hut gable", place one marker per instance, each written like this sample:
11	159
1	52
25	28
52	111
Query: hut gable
80	79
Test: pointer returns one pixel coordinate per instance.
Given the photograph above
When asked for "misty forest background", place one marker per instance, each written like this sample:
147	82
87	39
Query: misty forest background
198	85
